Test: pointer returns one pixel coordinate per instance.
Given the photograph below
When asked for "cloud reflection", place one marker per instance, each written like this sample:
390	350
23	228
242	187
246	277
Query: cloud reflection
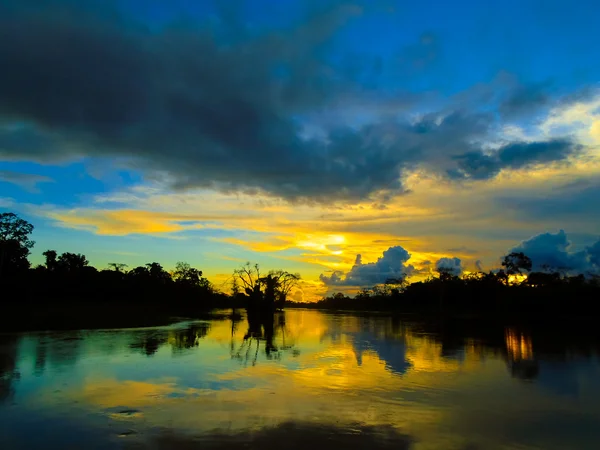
445	385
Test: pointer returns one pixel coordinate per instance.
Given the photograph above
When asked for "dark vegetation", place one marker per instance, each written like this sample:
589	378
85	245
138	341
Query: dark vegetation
513	291
66	292
502	294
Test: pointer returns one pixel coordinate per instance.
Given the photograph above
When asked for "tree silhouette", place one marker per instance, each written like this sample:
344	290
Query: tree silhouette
398	283
72	262
280	283
14	243
446	273
13	228
266	292
150	276
117	267
186	275
138	296
515	263
158	273
247	277
51	259
13	258
270	284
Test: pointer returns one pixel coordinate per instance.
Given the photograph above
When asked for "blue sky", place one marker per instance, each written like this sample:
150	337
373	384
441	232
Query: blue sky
299	134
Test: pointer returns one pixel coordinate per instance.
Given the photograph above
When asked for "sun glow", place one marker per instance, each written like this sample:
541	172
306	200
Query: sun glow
326	243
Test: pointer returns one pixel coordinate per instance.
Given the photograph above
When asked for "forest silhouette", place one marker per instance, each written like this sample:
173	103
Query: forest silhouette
66	292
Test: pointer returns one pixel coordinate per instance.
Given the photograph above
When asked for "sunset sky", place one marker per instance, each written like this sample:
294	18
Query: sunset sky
301	134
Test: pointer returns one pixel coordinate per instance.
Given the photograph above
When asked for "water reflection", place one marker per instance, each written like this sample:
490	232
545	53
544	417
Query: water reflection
519	351
148	342
518	345
266	329
58	351
291	435
8	366
188	337
303	376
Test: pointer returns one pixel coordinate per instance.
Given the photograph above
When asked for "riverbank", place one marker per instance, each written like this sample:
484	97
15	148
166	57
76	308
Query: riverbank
504	316
91	315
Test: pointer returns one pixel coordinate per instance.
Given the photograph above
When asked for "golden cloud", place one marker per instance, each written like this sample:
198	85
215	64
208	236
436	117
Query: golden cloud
437	219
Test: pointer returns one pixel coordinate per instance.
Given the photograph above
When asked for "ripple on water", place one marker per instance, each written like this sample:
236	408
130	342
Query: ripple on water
127	433
126	414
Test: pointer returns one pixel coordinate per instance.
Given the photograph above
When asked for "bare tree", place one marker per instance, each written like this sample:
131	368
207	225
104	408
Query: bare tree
285	282
247	277
271	289
117	267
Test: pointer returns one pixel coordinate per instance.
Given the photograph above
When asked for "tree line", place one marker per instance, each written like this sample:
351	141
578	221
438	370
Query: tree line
69	277
512	291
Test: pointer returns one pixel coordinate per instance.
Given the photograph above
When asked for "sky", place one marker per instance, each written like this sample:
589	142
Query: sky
347	141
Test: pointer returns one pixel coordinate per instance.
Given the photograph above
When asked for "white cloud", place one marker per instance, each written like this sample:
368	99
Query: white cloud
391	265
581	118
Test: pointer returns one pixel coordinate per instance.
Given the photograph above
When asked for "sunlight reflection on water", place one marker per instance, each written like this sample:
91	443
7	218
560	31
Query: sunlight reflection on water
317	380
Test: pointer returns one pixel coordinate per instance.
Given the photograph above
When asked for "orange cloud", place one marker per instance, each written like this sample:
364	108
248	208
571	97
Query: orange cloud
121	222
438	219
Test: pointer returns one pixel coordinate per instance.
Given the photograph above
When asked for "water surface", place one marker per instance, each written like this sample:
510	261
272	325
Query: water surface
308	380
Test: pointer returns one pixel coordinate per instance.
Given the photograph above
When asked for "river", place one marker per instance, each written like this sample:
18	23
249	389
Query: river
309	380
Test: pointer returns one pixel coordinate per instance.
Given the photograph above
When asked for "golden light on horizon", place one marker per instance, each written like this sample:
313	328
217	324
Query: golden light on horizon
299	224
322	243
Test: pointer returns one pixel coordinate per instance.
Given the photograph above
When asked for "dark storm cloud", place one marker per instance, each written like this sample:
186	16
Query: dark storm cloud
216	105
477	165
593	252
520	155
553	251
574	201
25	180
18	142
525	99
